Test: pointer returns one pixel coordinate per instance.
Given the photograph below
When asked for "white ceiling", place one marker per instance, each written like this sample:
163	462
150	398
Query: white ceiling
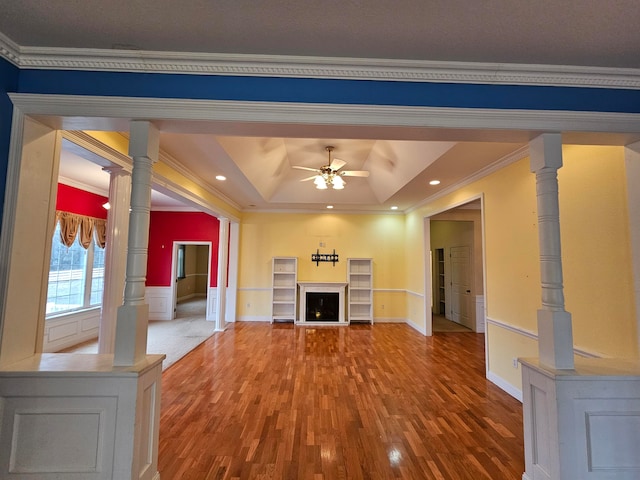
258	163
567	32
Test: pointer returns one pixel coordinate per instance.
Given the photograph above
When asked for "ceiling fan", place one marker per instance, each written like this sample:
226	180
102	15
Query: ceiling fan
329	174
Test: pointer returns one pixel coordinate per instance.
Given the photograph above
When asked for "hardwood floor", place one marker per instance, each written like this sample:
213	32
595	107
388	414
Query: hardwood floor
264	401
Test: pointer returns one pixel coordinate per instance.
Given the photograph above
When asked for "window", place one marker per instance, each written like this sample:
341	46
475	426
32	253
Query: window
76	276
181	262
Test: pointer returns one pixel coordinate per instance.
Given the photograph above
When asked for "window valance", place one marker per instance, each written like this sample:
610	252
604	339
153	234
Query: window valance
71	223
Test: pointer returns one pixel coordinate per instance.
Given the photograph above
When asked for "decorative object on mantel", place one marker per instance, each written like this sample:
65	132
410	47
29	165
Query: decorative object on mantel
325	257
328	175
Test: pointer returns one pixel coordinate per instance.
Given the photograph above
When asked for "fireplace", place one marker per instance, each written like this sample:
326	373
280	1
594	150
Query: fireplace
322	303
322	307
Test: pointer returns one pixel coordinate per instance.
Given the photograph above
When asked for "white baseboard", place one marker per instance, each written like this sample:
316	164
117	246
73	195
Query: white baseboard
504	385
415	326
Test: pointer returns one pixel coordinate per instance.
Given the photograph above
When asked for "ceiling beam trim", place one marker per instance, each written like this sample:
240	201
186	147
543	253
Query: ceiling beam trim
323	114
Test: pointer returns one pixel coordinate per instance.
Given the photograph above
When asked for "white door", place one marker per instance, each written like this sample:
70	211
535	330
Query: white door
461	285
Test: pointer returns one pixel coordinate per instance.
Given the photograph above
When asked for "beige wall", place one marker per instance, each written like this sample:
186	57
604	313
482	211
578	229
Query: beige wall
265	235
596	254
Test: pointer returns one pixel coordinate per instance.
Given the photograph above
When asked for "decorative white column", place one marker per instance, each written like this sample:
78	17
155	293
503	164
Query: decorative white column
555	335
115	255
232	280
223	256
133	316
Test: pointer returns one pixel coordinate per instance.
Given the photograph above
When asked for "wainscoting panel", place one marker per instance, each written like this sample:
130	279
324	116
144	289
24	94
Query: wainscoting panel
76	417
582	423
61	434
68	330
160	304
212	304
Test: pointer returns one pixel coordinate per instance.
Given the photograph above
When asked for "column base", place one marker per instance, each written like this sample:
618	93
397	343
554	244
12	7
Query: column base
555	339
131	334
583	423
76	416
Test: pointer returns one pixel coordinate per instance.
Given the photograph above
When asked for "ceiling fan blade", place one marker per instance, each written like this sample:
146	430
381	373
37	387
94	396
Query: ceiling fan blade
337	164
355	173
298	167
308	178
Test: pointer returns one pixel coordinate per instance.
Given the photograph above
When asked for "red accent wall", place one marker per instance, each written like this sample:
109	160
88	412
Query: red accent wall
168	227
74	200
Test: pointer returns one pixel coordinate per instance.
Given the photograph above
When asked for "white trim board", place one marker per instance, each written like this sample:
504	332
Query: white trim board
343	115
534	336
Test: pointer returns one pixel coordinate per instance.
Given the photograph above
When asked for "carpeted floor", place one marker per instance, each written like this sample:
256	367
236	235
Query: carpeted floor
174	338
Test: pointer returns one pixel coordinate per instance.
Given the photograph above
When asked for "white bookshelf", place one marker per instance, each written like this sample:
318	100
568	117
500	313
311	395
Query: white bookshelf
284	289
360	280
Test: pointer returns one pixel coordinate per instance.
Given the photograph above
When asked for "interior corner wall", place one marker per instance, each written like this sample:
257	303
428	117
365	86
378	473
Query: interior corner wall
267	235
165	228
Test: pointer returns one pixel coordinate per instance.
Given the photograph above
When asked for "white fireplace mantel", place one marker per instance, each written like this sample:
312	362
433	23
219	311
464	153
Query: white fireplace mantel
322	287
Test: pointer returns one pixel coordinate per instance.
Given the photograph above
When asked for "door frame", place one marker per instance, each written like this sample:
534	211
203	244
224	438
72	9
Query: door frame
209	315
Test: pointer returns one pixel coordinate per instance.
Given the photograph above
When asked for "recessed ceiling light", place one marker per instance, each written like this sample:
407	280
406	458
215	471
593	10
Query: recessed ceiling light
434	182
394	207
329	206
221	177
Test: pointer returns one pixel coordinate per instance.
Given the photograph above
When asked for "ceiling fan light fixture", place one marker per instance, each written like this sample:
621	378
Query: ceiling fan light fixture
330	174
320	183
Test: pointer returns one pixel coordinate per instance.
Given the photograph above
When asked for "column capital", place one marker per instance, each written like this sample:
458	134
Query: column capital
144	140
545	151
114	170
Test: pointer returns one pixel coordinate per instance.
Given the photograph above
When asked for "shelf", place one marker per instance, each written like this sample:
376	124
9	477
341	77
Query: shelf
284	289
360	280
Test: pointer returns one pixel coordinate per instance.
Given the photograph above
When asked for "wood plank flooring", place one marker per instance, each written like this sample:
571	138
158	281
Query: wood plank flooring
262	401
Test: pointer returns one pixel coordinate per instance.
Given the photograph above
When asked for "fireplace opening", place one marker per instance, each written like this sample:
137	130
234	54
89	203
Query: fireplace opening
322	307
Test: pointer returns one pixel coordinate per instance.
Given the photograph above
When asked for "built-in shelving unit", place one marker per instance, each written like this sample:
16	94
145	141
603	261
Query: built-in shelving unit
284	289
360	280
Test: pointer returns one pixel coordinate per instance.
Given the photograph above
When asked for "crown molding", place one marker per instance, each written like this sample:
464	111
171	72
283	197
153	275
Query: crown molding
9	50
317	67
169	160
518	154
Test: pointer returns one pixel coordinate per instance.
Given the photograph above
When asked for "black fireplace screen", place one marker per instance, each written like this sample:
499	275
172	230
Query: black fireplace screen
322	307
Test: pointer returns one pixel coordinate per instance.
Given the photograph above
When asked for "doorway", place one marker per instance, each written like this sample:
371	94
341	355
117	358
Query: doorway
457	280
192	293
